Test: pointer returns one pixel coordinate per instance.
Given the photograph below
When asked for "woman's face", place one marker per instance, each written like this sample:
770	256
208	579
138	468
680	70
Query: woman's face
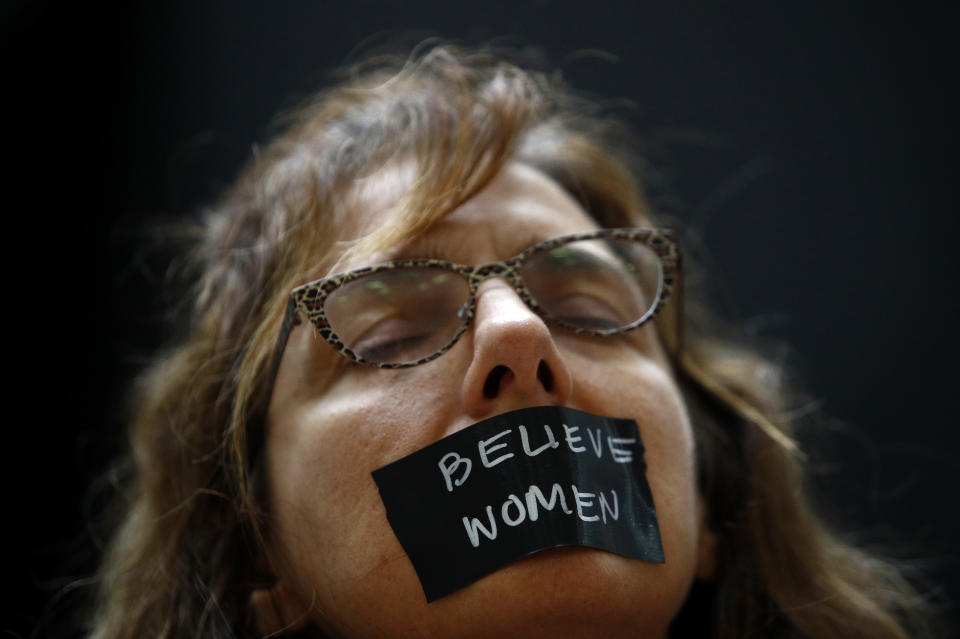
331	423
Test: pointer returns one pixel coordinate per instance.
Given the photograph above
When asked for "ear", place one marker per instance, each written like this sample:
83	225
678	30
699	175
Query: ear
706	547
278	610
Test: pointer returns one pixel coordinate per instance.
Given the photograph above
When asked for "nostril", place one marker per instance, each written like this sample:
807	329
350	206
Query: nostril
491	387
545	375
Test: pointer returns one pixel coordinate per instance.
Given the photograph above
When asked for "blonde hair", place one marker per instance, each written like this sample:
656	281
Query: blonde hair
191	547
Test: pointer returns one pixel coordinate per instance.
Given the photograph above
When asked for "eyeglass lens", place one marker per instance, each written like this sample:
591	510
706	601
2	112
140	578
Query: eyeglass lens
406	314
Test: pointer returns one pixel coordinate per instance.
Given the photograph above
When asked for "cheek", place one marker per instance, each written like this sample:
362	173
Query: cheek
631	385
329	523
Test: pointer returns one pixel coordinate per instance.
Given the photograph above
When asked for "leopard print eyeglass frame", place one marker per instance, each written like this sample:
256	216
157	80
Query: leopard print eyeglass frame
313	298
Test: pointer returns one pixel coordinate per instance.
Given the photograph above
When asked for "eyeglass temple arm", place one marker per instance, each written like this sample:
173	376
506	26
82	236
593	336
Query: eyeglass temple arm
289	319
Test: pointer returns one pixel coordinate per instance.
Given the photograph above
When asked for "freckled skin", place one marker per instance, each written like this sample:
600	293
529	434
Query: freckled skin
331	424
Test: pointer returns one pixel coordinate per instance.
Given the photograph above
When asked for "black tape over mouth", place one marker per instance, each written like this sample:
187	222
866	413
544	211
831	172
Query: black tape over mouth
515	484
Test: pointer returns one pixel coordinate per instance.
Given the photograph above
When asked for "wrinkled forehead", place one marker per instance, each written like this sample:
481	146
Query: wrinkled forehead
387	213
521	206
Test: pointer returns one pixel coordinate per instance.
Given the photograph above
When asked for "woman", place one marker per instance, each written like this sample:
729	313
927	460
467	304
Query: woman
252	510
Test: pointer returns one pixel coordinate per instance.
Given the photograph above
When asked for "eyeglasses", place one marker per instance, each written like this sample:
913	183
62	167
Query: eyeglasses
409	312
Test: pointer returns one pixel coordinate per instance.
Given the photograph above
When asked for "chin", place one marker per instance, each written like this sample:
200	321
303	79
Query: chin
565	592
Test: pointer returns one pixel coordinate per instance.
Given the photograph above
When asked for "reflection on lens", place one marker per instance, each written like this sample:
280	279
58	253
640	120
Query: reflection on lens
400	315
604	284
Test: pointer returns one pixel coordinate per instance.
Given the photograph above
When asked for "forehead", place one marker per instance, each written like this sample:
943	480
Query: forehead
520	207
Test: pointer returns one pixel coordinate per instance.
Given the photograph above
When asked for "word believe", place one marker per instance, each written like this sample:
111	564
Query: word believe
491	451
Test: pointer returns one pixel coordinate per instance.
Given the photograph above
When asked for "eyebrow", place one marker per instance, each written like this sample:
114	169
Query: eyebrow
427	246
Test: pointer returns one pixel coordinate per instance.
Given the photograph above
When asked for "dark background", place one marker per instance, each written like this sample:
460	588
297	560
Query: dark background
809	148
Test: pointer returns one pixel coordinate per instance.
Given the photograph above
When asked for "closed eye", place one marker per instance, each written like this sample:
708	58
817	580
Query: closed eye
388	339
587	311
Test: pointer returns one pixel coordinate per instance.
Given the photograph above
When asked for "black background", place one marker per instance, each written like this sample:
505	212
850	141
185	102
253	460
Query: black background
811	147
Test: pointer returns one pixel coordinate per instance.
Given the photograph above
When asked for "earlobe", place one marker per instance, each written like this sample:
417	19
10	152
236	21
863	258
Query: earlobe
277	610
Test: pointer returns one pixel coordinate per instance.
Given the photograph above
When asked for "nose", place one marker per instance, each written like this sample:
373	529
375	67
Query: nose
515	362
